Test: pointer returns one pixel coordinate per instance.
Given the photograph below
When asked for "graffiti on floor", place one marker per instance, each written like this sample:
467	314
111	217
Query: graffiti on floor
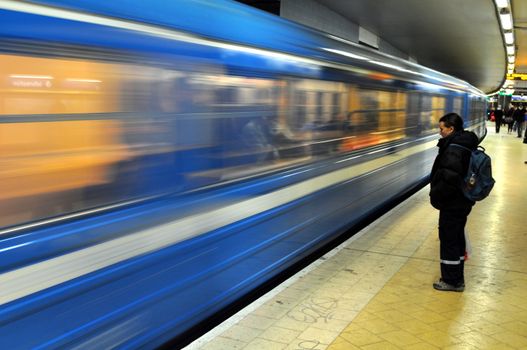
314	310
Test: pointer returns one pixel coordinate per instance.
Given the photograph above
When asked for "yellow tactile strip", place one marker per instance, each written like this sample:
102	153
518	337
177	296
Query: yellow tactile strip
492	312
408	314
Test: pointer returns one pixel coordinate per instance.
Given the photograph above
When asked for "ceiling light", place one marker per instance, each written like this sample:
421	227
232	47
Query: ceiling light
29	76
511	59
509	38
510	50
502	3
506	21
510	71
510	66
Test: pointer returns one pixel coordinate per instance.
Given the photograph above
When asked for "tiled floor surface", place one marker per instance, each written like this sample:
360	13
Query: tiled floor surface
375	291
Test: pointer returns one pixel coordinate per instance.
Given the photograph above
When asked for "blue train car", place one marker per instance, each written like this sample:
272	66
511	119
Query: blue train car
159	160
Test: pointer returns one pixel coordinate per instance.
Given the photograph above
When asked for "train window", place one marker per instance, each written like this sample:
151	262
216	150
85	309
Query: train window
368	99
317	102
61	138
299	110
390	113
36	85
457	105
426	112
433	107
137	94
263	96
426	103
413	122
375	116
398	121
246	95
336	107
201	93
312	106
236	91
226	95
438	109
477	108
366	118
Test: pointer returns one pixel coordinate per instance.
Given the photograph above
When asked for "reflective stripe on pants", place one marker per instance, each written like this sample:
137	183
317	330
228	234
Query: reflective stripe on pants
452	244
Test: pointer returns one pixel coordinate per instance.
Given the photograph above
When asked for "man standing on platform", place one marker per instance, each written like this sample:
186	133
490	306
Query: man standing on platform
446	183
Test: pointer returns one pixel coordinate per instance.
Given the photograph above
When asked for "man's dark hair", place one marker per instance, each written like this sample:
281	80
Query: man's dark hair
454	120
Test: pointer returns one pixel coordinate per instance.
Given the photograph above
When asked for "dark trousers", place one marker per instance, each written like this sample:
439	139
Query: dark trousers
498	124
520	128
452	244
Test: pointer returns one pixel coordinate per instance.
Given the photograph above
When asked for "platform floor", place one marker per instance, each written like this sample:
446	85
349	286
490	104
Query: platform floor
375	290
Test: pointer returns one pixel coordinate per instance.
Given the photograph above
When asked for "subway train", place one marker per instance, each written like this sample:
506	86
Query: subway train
160	160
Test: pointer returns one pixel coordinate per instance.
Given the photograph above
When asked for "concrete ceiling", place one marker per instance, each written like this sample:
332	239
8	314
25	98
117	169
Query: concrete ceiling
458	37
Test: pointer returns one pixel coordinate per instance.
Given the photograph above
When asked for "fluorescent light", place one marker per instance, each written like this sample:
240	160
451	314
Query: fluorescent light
510	71
502	3
84	80
506	21
27	76
511	59
510	50
510	66
509	38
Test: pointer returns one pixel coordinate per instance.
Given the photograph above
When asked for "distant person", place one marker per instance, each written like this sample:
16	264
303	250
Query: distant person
498	118
446	181
519	117
508	119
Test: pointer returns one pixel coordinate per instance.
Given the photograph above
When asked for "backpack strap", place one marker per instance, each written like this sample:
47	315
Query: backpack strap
465	148
481	148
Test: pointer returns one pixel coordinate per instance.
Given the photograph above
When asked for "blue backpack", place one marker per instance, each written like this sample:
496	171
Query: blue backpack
478	181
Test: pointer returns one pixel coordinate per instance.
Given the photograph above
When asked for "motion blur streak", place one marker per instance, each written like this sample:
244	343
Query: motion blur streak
159	160
27	280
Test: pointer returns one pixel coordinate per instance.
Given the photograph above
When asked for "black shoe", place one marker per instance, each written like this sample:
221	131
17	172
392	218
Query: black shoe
446	287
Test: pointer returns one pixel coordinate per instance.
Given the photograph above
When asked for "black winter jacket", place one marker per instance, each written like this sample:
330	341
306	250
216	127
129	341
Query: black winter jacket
449	170
518	115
